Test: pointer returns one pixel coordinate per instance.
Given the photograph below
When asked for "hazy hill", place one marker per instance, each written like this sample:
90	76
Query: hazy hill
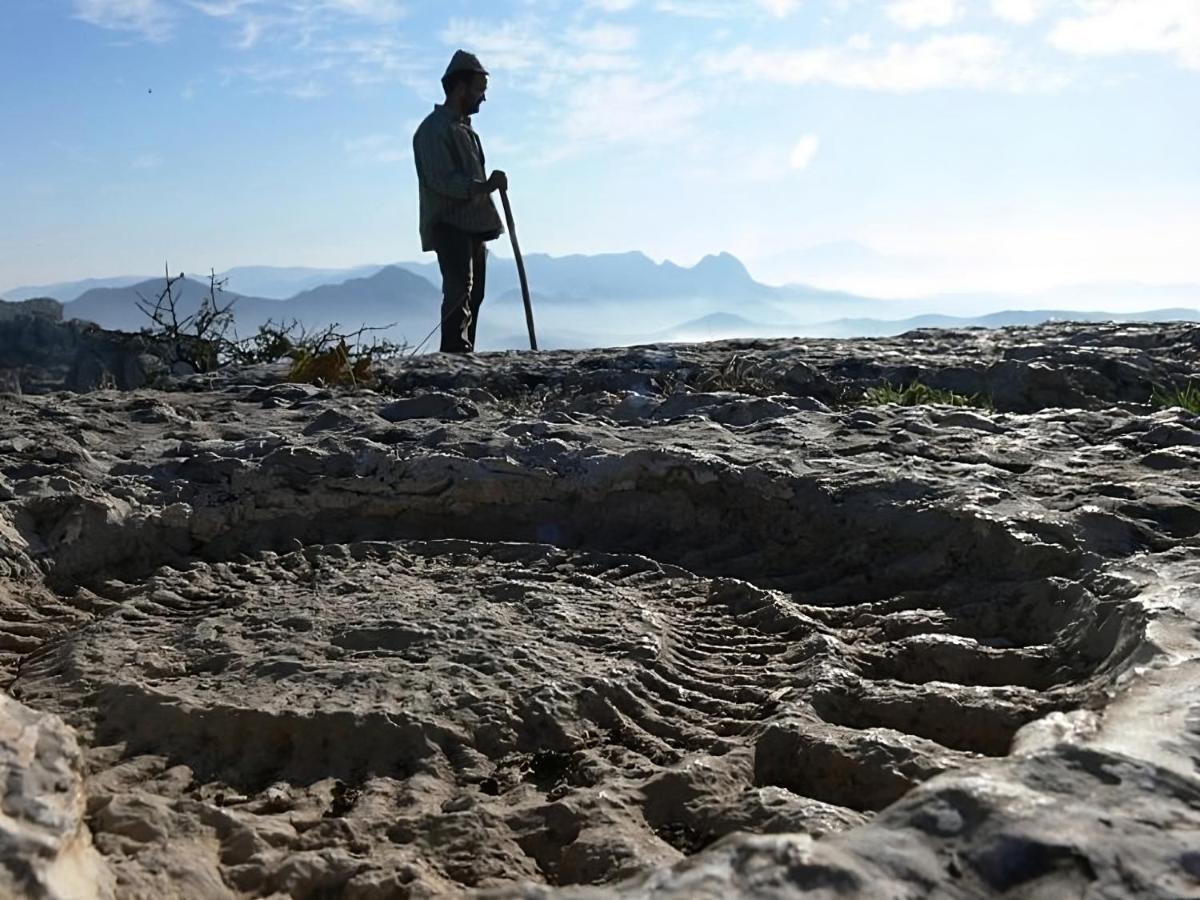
1084	297
282	282
269	282
609	276
659	296
850	327
391	295
66	291
579	297
629	291
605	276
605	299
117	307
722	326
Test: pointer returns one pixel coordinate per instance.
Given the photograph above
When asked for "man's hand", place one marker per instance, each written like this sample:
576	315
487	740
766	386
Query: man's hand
498	181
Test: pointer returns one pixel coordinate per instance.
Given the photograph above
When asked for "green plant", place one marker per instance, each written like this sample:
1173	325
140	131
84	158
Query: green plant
738	373
1187	397
669	382
918	394
537	400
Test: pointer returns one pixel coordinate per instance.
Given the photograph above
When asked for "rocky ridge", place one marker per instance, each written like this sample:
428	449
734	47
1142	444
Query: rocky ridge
673	620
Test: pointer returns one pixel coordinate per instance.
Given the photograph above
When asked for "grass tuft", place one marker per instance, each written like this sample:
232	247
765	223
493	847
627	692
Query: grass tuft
1187	397
918	394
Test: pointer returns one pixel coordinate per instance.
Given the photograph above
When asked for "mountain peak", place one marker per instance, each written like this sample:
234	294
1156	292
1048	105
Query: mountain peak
724	263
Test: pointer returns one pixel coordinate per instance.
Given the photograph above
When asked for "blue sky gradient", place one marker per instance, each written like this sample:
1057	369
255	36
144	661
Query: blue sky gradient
937	145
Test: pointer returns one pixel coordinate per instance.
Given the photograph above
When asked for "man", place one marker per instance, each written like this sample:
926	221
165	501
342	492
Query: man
457	213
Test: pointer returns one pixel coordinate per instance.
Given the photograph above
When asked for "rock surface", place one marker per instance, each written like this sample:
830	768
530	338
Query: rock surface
41	354
45	847
676	621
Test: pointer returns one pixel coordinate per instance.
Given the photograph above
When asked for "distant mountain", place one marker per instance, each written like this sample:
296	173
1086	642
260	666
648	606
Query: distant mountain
269	282
633	290
280	282
723	326
392	296
572	295
117	307
607	299
612	276
718	321
1083	297
880	327
66	291
607	276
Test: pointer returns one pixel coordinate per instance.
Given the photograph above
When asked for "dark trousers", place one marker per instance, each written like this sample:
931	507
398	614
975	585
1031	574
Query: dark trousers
462	257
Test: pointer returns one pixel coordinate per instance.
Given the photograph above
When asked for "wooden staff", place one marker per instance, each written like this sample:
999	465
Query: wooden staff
512	233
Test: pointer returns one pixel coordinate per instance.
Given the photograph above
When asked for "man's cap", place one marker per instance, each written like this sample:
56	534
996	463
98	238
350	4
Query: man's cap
462	61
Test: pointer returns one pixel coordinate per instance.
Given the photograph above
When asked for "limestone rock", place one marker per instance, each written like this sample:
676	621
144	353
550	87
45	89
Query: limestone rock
45	847
669	620
10	382
433	405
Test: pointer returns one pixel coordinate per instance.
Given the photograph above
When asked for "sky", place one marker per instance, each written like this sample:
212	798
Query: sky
888	147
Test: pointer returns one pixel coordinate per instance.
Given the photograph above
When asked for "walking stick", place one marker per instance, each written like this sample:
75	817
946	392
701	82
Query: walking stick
512	233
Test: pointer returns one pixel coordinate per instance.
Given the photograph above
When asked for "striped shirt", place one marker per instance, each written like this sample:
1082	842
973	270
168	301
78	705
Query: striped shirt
450	168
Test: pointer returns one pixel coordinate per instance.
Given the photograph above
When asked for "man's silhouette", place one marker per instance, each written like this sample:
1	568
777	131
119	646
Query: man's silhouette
457	213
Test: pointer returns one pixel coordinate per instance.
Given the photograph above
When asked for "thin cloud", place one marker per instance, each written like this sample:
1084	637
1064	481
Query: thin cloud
804	152
220	8
374	10
604	38
369	59
698	9
726	9
251	31
1021	12
601	48
157	20
303	83
742	160
962	60
303	48
608	110
507	46
607	94
1112	27
914	14
307	90
152	19
611	6
780	9
545	59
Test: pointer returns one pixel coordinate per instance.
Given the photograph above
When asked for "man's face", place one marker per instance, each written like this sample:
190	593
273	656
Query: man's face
475	94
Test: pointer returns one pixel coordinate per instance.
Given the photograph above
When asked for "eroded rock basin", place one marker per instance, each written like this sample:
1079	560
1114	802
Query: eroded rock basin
586	623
